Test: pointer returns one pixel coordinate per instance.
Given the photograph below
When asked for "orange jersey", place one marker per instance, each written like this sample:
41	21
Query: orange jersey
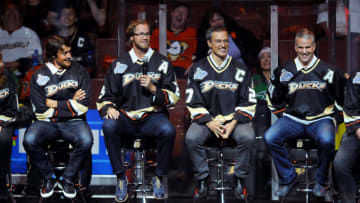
180	48
25	82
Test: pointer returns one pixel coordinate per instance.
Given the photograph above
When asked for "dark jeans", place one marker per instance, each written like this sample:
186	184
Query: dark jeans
157	126
343	163
77	132
196	137
322	131
6	135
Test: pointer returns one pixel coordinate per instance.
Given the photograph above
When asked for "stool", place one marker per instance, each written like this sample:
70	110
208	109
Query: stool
219	162
58	152
307	145
138	145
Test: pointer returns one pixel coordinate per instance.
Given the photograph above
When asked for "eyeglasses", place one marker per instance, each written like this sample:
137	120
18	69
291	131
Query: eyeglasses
142	34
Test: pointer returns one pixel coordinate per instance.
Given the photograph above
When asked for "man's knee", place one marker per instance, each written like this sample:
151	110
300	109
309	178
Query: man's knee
29	142
86	142
339	166
109	127
168	131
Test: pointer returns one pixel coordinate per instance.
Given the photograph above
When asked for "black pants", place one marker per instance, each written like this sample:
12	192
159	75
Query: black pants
5	149
343	163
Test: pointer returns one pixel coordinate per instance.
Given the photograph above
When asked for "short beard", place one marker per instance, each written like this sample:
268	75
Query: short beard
141	49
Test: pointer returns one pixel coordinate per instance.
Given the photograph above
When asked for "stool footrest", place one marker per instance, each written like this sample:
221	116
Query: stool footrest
220	188
304	190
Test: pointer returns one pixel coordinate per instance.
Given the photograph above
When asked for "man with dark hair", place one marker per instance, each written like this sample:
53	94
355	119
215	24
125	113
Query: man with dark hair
138	89
181	40
81	48
17	42
304	92
60	95
222	104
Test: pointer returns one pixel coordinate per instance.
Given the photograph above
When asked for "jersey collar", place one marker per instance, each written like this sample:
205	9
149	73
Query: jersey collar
222	65
53	68
300	66
134	58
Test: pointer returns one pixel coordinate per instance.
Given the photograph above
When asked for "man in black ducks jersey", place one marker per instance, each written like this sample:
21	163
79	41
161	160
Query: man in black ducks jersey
60	95
222	104
138	88
8	108
304	91
350	145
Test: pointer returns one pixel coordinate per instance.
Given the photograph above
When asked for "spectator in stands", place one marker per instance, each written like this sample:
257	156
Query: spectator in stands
60	95
138	88
222	104
181	40
81	47
17	42
8	109
35	12
243	44
261	123
342	13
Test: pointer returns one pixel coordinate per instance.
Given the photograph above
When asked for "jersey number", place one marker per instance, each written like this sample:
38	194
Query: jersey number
189	94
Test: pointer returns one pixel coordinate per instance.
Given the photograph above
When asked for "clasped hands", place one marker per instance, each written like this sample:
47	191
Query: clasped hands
220	129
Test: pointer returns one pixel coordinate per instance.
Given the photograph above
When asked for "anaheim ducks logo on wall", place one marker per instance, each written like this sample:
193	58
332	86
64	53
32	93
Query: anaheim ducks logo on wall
175	49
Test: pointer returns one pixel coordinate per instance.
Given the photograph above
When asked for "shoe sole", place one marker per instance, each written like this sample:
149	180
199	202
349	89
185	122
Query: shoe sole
124	200
159	198
49	194
67	195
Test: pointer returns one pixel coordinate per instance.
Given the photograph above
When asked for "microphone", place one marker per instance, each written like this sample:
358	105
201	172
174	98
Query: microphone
145	65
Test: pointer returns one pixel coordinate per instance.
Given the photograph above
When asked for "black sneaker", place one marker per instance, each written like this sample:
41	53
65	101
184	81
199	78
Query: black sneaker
67	188
48	188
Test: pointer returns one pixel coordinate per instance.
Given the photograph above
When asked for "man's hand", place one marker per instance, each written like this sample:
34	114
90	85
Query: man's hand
357	133
216	127
145	81
0	129
112	113
228	129
79	95
51	103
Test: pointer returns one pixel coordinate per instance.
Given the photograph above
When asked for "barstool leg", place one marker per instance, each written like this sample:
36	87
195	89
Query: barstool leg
221	167
143	176
307	176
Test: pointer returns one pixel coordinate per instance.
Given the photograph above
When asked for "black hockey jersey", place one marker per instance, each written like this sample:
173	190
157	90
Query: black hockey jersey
220	94
306	95
352	103
122	88
60	86
8	100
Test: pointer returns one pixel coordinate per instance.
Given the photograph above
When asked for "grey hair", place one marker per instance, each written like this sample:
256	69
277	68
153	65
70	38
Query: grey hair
305	34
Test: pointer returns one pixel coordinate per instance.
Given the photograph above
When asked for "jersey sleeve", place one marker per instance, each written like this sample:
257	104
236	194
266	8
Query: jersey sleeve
352	103
167	91
8	115
195	102
110	92
246	104
38	99
276	94
72	108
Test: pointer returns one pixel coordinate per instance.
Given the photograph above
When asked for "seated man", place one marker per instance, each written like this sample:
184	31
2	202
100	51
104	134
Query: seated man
8	108
60	95
138	88
350	146
222	104
306	91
